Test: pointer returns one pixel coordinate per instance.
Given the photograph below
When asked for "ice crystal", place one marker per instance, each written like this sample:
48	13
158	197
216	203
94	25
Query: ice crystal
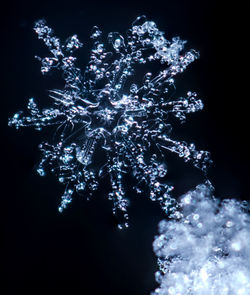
205	248
101	110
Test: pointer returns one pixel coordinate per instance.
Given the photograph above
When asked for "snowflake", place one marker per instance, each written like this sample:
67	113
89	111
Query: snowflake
101	111
205	248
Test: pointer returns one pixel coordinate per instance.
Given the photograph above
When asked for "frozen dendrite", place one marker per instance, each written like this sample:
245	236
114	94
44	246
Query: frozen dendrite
205	248
102	111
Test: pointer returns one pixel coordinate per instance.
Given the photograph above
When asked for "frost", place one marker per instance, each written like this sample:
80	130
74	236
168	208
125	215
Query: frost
102	111
205	248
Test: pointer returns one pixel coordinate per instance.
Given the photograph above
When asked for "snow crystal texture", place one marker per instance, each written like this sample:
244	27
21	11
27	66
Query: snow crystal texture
205	248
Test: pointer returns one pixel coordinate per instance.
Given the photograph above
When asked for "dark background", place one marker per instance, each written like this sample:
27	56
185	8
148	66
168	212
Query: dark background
81	251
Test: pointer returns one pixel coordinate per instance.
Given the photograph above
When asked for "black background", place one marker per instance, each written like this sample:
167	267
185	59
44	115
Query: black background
81	251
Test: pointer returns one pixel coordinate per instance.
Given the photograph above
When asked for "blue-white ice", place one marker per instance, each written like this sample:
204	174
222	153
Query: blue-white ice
205	248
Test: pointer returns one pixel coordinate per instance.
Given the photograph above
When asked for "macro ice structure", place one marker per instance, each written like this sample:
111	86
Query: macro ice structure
205	248
101	110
